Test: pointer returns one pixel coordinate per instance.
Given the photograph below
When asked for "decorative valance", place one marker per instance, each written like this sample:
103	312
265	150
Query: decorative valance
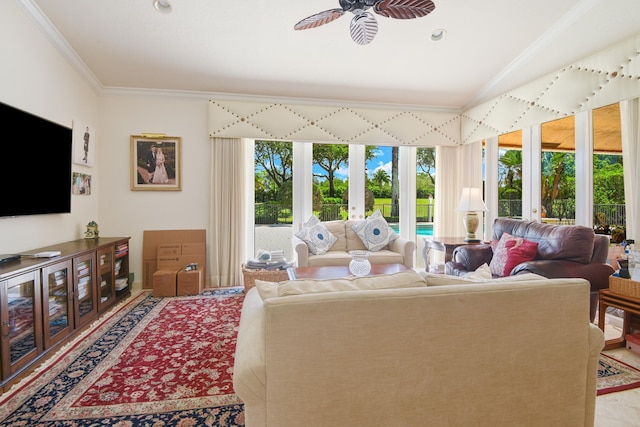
610	76
336	124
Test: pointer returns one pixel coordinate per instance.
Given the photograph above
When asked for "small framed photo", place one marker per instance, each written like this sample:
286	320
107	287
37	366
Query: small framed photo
81	184
155	163
84	143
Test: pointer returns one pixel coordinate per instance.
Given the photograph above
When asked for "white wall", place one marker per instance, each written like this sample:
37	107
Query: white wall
128	213
34	77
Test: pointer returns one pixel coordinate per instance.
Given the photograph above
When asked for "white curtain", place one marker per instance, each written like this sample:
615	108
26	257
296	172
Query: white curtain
456	167
447	192
630	128
227	211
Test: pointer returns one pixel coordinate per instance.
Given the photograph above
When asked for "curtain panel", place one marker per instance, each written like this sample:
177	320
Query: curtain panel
228	211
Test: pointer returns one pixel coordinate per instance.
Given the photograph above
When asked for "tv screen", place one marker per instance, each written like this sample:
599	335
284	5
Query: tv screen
36	170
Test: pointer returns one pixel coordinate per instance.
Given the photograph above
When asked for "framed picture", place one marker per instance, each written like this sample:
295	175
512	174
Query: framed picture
155	163
84	143
81	184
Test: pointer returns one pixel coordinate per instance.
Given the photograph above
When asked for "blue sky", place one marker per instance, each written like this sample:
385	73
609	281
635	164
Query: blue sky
382	160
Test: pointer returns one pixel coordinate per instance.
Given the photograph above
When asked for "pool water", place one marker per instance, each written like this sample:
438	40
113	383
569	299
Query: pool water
421	229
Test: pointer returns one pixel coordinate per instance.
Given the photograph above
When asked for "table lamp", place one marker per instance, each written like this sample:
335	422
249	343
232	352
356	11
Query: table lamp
471	203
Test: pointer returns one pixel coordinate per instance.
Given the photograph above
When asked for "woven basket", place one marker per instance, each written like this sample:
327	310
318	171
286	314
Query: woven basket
622	286
250	276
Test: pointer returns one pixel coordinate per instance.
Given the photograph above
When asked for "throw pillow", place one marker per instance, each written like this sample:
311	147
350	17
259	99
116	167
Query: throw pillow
499	258
316	236
482	272
509	252
374	231
519	251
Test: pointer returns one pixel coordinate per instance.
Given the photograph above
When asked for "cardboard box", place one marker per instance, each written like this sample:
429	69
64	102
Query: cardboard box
193	248
164	283
190	282
169	249
153	238
633	342
149	267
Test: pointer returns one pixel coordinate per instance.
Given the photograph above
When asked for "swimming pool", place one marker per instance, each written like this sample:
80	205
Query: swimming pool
421	229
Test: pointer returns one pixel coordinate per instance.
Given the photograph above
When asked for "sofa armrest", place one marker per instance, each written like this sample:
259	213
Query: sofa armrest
597	274
249	370
470	257
300	252
404	247
596	344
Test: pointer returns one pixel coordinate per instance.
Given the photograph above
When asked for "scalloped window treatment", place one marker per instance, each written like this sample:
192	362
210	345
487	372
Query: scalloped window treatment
227	211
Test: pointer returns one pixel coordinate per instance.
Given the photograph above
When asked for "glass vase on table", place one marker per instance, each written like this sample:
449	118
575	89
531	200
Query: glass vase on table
359	264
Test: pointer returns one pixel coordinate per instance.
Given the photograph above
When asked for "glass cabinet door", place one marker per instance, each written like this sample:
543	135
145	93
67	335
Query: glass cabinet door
56	302
107	293
85	296
21	321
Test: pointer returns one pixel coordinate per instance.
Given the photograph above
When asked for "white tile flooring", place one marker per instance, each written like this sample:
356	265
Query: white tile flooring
619	409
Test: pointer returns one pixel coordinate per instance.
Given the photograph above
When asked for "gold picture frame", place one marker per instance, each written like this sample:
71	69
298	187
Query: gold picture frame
161	174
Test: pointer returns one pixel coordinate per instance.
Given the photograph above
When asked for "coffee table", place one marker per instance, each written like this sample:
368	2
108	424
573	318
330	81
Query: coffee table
340	271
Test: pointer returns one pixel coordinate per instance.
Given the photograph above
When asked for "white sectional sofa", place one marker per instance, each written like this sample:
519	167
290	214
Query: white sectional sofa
399	251
398	350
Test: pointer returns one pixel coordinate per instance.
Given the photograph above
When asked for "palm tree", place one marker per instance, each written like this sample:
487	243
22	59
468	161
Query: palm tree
380	177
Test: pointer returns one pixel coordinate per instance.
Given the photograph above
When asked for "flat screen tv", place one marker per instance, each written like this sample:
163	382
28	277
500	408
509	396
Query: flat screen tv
35	176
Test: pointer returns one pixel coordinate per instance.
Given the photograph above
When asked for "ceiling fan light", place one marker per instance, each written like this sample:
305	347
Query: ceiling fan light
162	6
438	34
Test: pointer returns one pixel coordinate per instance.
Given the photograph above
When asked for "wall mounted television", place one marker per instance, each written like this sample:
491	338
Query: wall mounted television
35	177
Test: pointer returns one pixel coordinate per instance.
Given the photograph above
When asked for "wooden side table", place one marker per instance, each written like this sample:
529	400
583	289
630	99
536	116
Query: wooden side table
628	304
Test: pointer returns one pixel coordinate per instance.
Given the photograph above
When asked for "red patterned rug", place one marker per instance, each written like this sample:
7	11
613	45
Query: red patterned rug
152	361
614	375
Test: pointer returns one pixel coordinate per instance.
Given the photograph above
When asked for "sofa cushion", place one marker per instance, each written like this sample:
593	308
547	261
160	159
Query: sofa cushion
316	236
434	279
334	257
374	231
402	279
337	228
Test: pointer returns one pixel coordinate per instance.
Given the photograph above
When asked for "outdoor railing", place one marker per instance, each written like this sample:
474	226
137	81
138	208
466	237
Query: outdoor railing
561	210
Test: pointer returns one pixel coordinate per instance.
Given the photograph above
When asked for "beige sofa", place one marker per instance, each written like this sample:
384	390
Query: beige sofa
398	251
494	353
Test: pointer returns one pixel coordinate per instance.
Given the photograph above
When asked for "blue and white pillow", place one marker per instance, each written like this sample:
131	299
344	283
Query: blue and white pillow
374	231
316	236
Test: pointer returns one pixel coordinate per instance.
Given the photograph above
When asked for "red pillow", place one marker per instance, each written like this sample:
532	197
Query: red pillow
519	251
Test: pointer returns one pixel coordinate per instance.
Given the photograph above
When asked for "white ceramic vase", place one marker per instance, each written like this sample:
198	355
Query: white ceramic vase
359	264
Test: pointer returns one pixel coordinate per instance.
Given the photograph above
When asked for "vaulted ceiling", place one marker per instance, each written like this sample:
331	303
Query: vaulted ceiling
249	48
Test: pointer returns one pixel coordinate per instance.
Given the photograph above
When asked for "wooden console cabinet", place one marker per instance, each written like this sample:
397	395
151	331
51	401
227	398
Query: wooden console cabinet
44	302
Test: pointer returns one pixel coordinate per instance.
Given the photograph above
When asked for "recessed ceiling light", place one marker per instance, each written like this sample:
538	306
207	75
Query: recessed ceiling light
438	35
162	6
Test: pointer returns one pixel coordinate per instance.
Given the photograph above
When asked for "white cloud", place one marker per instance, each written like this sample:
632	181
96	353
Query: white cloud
381	165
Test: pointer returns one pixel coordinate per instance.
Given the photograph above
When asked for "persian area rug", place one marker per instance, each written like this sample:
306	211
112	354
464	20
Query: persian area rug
149	362
614	375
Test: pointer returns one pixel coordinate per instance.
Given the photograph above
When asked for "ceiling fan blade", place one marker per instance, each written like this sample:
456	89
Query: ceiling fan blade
404	9
318	19
364	28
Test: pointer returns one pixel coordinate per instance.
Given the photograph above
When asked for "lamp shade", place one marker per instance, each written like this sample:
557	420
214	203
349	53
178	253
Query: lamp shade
471	200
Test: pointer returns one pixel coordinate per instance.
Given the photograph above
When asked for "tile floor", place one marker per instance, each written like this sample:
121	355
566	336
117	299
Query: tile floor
620	409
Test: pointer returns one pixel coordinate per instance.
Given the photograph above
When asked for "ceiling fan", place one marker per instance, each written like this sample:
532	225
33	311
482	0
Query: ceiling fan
364	25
